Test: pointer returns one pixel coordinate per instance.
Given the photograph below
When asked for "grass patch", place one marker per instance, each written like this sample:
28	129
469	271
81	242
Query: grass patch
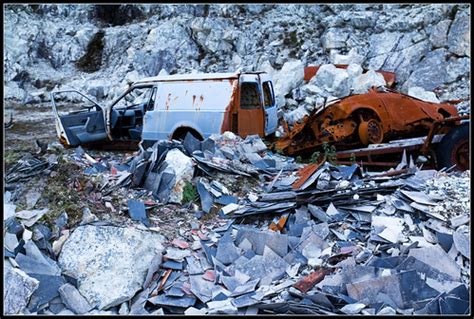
189	193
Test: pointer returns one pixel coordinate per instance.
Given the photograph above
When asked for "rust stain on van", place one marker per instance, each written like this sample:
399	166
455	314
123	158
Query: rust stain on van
231	108
194	99
167	103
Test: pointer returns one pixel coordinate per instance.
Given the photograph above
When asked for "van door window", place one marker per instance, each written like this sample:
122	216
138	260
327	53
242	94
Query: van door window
151	103
269	100
249	96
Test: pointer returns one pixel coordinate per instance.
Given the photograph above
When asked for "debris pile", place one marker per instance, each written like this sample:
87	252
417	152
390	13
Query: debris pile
315	238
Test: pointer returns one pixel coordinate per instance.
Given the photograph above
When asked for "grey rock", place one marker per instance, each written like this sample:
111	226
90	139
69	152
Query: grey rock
17	290
110	263
459	37
430	72
73	299
439	33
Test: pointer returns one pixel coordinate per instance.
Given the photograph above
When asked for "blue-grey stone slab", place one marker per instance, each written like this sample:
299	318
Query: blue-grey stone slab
171	264
191	143
245	300
181	302
206	198
48	289
227	252
137	211
226	200
167	182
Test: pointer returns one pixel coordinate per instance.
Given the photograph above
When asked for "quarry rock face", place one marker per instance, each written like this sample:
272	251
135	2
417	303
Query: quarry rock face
427	46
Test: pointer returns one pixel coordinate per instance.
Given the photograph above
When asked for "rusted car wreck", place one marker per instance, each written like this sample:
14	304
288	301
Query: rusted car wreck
375	117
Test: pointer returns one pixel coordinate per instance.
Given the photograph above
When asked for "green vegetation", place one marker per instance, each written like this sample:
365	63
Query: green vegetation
330	153
189	193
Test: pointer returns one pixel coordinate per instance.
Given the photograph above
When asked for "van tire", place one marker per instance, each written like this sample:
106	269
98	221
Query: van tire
180	133
454	148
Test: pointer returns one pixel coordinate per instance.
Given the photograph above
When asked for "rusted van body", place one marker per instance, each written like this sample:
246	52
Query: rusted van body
168	107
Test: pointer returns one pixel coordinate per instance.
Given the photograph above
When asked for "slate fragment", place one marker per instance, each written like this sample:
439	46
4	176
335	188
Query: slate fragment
137	212
71	297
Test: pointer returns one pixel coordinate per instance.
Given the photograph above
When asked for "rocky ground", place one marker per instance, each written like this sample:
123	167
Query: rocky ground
240	230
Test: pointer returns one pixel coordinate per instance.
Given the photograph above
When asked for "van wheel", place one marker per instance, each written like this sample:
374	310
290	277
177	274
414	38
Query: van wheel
454	148
181	132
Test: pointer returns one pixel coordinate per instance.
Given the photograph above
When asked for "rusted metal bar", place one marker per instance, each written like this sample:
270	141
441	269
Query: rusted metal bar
387	164
434	129
312	279
305	173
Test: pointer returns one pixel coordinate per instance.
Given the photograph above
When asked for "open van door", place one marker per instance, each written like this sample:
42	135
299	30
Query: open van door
81	126
269	104
250	111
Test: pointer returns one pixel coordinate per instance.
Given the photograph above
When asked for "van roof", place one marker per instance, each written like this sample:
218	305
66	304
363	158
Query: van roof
194	76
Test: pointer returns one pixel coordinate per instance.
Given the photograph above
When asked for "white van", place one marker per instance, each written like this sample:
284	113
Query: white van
168	107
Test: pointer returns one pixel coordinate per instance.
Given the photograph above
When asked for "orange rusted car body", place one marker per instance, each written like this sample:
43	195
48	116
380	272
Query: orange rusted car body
311	71
370	118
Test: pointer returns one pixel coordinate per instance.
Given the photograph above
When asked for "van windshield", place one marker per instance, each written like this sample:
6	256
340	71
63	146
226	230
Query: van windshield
137	96
249	96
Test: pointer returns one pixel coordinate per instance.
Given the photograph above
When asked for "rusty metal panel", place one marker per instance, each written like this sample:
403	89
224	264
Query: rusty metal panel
251	118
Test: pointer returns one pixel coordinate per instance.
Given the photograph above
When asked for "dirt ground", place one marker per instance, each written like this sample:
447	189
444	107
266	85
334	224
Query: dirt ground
67	189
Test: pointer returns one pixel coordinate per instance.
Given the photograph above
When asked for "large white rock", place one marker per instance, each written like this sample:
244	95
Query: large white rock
422	94
289	77
365	81
17	290
183	169
110	263
333	81
295	115
351	57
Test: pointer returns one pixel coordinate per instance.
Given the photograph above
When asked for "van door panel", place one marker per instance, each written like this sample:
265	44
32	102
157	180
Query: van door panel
271	114
250	112
83	126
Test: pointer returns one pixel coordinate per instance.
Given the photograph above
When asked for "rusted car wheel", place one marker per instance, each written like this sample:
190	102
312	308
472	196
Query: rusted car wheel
454	148
370	132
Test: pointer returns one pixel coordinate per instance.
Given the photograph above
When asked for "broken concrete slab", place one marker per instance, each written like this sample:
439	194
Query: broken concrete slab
110	263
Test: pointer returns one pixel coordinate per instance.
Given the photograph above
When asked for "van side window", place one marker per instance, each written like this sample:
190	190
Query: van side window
151	103
268	98
249	96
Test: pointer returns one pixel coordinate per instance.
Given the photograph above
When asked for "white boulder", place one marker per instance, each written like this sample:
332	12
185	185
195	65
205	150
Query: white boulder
109	263
289	77
422	94
333	81
351	57
182	168
364	82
